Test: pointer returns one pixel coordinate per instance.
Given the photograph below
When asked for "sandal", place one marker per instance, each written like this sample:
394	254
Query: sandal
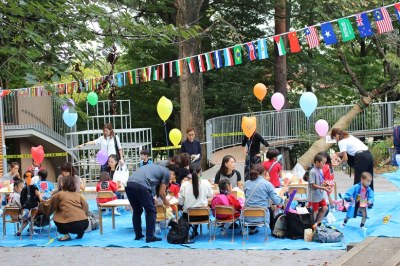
65	238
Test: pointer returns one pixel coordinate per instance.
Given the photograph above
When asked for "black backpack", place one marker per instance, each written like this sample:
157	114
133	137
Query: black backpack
280	225
28	198
297	223
178	234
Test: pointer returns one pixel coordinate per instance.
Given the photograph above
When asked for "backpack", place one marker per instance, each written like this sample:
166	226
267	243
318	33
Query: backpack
42	220
220	199
178	234
94	222
28	198
297	223
327	235
279	226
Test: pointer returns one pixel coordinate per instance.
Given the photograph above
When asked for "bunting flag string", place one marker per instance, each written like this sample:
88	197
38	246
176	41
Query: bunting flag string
233	55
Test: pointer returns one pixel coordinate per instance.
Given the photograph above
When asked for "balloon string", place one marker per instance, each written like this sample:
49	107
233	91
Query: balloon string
166	134
261	106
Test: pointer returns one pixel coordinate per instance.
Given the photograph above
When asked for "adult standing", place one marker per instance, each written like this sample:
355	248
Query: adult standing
109	142
355	153
192	147
70	210
251	147
140	190
228	171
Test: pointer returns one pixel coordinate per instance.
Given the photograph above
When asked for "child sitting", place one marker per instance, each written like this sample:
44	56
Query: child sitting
144	158
15	198
168	210
105	184
45	187
29	199
360	195
273	167
225	198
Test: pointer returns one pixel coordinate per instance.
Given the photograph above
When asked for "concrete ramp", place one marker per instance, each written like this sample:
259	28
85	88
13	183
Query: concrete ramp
381	251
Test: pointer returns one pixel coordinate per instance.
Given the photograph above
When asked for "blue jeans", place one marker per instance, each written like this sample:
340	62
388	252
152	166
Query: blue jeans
141	197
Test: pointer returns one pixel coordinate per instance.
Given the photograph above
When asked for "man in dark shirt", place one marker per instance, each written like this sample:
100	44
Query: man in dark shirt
251	147
140	190
192	147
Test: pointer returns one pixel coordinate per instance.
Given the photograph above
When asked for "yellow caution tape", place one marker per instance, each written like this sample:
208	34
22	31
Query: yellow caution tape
15	156
227	134
166	148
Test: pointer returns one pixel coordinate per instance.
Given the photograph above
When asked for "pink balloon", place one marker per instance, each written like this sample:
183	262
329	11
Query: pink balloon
322	127
102	157
277	100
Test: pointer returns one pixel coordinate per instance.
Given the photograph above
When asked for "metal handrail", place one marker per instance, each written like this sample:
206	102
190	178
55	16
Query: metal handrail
292	125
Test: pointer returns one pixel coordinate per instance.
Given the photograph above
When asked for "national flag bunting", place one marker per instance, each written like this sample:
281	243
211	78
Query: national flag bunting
312	36
328	34
382	20
144	75
163	69
251	51
136	77
209	61
280	45
262	49
190	63
119	80
363	24
218	59
294	42
149	74
228	57
178	67
397	9
200	61
155	73
130	79
346	29
237	51
170	69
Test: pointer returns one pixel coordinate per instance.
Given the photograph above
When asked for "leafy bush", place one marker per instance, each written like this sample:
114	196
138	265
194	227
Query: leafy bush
380	150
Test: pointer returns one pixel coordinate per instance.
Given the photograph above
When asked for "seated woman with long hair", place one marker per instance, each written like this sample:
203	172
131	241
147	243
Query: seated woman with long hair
194	193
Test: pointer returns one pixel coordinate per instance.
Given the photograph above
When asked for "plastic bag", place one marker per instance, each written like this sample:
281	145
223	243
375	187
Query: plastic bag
121	175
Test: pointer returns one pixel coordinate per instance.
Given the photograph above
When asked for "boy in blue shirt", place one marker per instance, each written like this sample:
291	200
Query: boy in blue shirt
144	158
45	187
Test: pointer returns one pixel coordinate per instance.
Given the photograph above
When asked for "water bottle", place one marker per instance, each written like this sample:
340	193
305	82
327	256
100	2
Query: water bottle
36	171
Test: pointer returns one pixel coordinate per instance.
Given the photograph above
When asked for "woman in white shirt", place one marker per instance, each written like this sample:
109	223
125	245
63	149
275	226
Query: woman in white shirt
109	142
355	153
194	193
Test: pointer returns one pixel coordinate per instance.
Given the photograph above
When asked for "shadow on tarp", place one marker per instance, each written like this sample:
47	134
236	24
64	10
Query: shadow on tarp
123	235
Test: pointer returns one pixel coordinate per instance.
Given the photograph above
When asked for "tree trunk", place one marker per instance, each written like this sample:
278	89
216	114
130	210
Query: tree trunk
191	85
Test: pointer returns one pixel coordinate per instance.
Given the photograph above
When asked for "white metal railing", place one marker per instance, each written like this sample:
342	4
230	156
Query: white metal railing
291	124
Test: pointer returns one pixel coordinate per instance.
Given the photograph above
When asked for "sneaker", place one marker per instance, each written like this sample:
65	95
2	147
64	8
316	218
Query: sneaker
117	213
364	228
152	239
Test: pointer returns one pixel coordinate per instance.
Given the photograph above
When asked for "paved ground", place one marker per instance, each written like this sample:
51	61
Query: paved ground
143	256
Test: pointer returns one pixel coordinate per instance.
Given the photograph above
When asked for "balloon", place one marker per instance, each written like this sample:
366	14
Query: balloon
102	157
37	154
70	118
66	106
164	108
175	135
322	127
249	125
308	103
277	101
92	98
260	91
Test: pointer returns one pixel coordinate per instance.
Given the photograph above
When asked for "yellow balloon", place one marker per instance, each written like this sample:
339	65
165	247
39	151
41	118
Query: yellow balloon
249	125
164	108
175	136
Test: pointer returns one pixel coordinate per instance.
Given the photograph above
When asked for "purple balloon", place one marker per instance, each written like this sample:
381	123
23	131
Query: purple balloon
102	157
66	106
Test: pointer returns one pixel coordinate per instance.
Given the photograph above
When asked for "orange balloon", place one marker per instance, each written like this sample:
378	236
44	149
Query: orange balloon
260	91
249	125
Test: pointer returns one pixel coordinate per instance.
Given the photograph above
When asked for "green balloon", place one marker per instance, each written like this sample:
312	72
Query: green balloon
92	98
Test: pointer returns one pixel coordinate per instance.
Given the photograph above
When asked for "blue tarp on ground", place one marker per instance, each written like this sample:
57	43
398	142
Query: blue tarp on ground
123	236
